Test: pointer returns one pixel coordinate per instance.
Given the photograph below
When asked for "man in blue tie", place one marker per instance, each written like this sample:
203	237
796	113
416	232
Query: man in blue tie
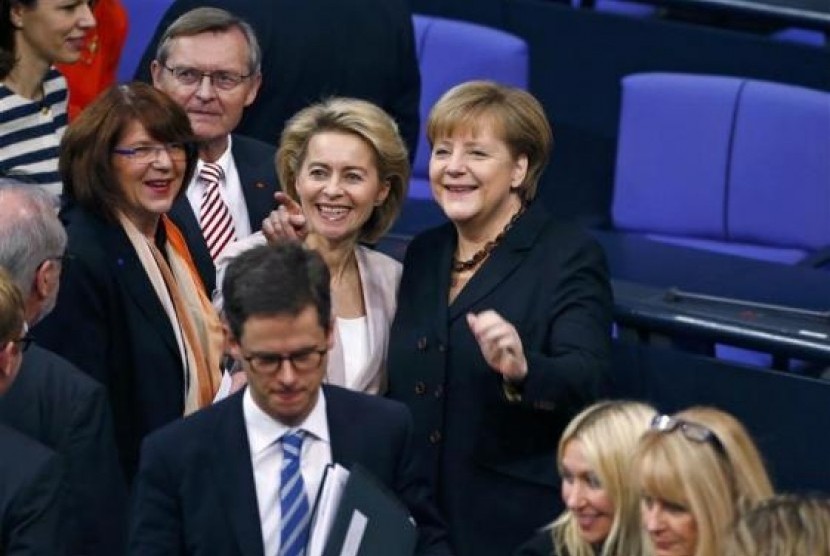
240	477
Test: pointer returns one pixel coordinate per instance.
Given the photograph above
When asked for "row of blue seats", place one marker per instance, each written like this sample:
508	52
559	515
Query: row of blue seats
721	163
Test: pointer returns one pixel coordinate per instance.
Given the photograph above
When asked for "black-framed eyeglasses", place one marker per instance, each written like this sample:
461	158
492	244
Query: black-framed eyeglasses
270	363
221	79
691	430
64	259
145	154
24	342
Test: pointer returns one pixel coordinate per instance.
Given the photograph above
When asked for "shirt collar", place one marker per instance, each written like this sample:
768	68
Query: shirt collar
264	430
223	161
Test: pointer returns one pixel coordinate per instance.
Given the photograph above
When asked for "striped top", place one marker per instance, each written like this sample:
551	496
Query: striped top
30	132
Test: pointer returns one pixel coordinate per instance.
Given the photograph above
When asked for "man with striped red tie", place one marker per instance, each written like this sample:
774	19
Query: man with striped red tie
208	61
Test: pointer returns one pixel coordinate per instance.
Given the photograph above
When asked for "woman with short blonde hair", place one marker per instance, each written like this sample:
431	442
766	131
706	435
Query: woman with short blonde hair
344	170
502	332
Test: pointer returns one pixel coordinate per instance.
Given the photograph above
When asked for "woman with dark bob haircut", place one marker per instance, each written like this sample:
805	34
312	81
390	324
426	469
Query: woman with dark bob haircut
131	310
502	332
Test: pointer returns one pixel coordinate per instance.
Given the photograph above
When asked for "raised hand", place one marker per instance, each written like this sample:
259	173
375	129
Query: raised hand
287	221
500	344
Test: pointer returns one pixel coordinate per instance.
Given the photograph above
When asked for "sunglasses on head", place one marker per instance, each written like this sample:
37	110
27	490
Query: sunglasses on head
691	430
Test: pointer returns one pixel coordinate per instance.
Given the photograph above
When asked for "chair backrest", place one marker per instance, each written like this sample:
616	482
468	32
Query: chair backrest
143	18
779	183
672	154
725	163
451	52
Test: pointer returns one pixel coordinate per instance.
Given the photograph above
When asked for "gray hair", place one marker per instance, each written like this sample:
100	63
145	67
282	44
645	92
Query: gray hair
30	231
205	20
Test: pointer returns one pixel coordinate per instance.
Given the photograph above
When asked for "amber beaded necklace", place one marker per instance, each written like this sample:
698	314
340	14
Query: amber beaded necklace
484	252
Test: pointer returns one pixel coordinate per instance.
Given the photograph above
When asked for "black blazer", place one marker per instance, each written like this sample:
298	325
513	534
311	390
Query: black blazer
195	493
493	460
541	544
321	48
110	323
54	403
254	161
30	497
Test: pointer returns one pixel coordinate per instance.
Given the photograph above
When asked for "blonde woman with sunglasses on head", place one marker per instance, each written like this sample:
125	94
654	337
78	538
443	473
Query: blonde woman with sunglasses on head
594	456
697	471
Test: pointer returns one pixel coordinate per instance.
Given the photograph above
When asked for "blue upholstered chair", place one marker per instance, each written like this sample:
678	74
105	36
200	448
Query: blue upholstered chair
143	18
452	52
726	164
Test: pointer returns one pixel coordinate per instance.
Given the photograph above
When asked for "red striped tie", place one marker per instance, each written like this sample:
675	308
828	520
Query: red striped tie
215	216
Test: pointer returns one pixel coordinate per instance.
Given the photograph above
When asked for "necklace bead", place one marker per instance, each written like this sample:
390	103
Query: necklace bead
484	252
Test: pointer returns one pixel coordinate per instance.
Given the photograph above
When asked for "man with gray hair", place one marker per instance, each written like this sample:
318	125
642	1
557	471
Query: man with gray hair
51	401
208	61
30	474
32	244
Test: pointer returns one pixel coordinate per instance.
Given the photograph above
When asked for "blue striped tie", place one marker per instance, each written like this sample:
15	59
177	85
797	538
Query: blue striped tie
294	513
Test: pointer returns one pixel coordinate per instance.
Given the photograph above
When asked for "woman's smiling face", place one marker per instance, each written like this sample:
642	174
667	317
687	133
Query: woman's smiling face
339	184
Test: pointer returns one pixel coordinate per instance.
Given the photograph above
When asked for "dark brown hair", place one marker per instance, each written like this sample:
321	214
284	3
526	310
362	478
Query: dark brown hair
85	164
8	57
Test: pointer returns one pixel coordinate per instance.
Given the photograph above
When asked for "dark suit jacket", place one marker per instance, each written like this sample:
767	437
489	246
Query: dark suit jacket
30	497
195	492
541	544
257	173
110	323
54	403
320	48
493	460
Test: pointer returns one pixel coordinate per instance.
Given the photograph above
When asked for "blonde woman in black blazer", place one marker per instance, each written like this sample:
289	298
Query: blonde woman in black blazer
502	331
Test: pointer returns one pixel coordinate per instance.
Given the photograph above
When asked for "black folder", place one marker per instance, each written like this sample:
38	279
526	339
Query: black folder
370	520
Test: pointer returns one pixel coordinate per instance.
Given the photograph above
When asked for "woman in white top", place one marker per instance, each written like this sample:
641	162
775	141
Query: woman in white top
345	170
34	35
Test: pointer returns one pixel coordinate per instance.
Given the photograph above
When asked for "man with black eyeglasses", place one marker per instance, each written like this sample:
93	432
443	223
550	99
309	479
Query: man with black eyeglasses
30	474
51	401
208	61
241	476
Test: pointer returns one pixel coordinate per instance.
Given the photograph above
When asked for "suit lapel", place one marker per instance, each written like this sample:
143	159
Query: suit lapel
504	259
182	214
234	476
373	301
258	193
130	272
435	282
342	439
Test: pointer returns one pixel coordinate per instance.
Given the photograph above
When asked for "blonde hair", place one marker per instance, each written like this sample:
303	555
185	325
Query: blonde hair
785	525
715	479
608	432
366	121
516	115
11	309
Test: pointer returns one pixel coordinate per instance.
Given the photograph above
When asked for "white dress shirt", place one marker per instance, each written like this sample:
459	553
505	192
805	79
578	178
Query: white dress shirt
264	433
231	192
